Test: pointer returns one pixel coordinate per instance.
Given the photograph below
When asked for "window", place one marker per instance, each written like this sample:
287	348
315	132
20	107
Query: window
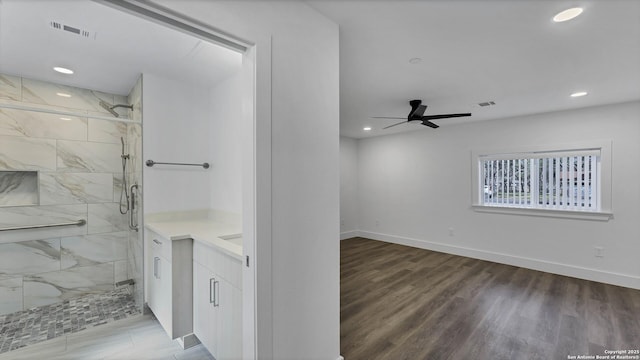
573	179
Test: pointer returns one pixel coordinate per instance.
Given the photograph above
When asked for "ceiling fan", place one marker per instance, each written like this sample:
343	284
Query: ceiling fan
416	114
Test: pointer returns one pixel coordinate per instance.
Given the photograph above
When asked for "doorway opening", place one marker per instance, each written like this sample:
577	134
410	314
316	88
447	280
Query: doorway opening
172	103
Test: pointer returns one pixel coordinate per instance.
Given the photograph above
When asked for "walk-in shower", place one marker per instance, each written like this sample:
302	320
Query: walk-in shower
70	254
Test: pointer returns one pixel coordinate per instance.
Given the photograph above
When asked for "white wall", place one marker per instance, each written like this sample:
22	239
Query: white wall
176	129
305	185
225	145
414	186
348	187
296	179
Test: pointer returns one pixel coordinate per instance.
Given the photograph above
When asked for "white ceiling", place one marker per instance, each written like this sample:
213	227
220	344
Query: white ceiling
510	52
120	47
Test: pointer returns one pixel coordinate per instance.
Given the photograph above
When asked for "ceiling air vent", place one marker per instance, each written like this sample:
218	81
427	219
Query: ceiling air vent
74	30
486	103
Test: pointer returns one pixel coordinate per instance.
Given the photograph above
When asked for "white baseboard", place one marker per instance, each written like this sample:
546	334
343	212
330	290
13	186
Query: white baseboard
349	234
340	357
534	264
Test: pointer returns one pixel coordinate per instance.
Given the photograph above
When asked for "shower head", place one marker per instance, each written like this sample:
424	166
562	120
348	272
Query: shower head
109	108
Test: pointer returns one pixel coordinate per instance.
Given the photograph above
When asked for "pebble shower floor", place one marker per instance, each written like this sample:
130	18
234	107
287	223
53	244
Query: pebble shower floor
42	323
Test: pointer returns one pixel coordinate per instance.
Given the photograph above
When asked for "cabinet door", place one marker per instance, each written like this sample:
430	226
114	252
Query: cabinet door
163	299
153	274
204	310
153	282
171	302
229	322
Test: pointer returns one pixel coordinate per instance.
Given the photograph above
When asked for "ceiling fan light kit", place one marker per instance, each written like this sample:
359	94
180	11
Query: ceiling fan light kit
417	114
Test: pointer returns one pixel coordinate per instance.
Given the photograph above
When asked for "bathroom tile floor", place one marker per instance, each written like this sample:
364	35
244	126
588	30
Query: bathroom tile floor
48	322
133	338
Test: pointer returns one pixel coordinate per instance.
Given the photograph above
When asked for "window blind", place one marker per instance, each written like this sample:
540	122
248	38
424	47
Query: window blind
560	180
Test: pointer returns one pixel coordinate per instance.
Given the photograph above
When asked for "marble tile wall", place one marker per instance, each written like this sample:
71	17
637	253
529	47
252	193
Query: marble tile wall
86	250
107	131
45	93
22	153
29	257
57	286
84	156
75	188
76	173
35	124
104	218
10	87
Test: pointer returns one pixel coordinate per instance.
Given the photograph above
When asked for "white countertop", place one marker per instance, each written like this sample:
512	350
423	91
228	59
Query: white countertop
204	230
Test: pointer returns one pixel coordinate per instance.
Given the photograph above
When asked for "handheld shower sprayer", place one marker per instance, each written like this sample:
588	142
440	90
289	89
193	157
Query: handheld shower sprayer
124	195
127	194
110	107
123	154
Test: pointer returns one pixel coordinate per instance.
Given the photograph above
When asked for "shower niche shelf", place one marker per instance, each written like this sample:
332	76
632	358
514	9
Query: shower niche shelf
18	188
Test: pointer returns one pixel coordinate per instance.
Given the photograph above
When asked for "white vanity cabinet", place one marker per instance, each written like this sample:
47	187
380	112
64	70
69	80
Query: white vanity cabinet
169	282
217	302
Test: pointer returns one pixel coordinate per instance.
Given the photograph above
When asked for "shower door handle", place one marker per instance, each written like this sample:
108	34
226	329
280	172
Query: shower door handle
133	224
133	198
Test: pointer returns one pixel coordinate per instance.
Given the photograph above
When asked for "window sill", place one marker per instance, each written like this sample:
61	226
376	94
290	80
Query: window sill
564	214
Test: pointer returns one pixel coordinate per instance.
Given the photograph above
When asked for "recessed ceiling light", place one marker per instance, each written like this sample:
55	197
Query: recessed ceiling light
65	119
567	14
63	70
415	60
63	95
368	128
579	93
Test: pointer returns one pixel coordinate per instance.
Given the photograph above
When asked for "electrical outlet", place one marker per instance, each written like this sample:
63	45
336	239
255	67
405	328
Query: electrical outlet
377	223
598	251
451	232
342	222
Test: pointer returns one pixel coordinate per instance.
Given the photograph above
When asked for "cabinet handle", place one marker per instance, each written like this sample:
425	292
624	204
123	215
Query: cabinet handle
157	242
156	267
212	291
216	292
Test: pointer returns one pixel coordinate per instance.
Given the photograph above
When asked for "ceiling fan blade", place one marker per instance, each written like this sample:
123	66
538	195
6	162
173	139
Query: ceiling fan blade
402	122
444	116
385	117
429	124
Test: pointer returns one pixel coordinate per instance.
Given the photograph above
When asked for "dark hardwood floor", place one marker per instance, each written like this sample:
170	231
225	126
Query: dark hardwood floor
399	302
